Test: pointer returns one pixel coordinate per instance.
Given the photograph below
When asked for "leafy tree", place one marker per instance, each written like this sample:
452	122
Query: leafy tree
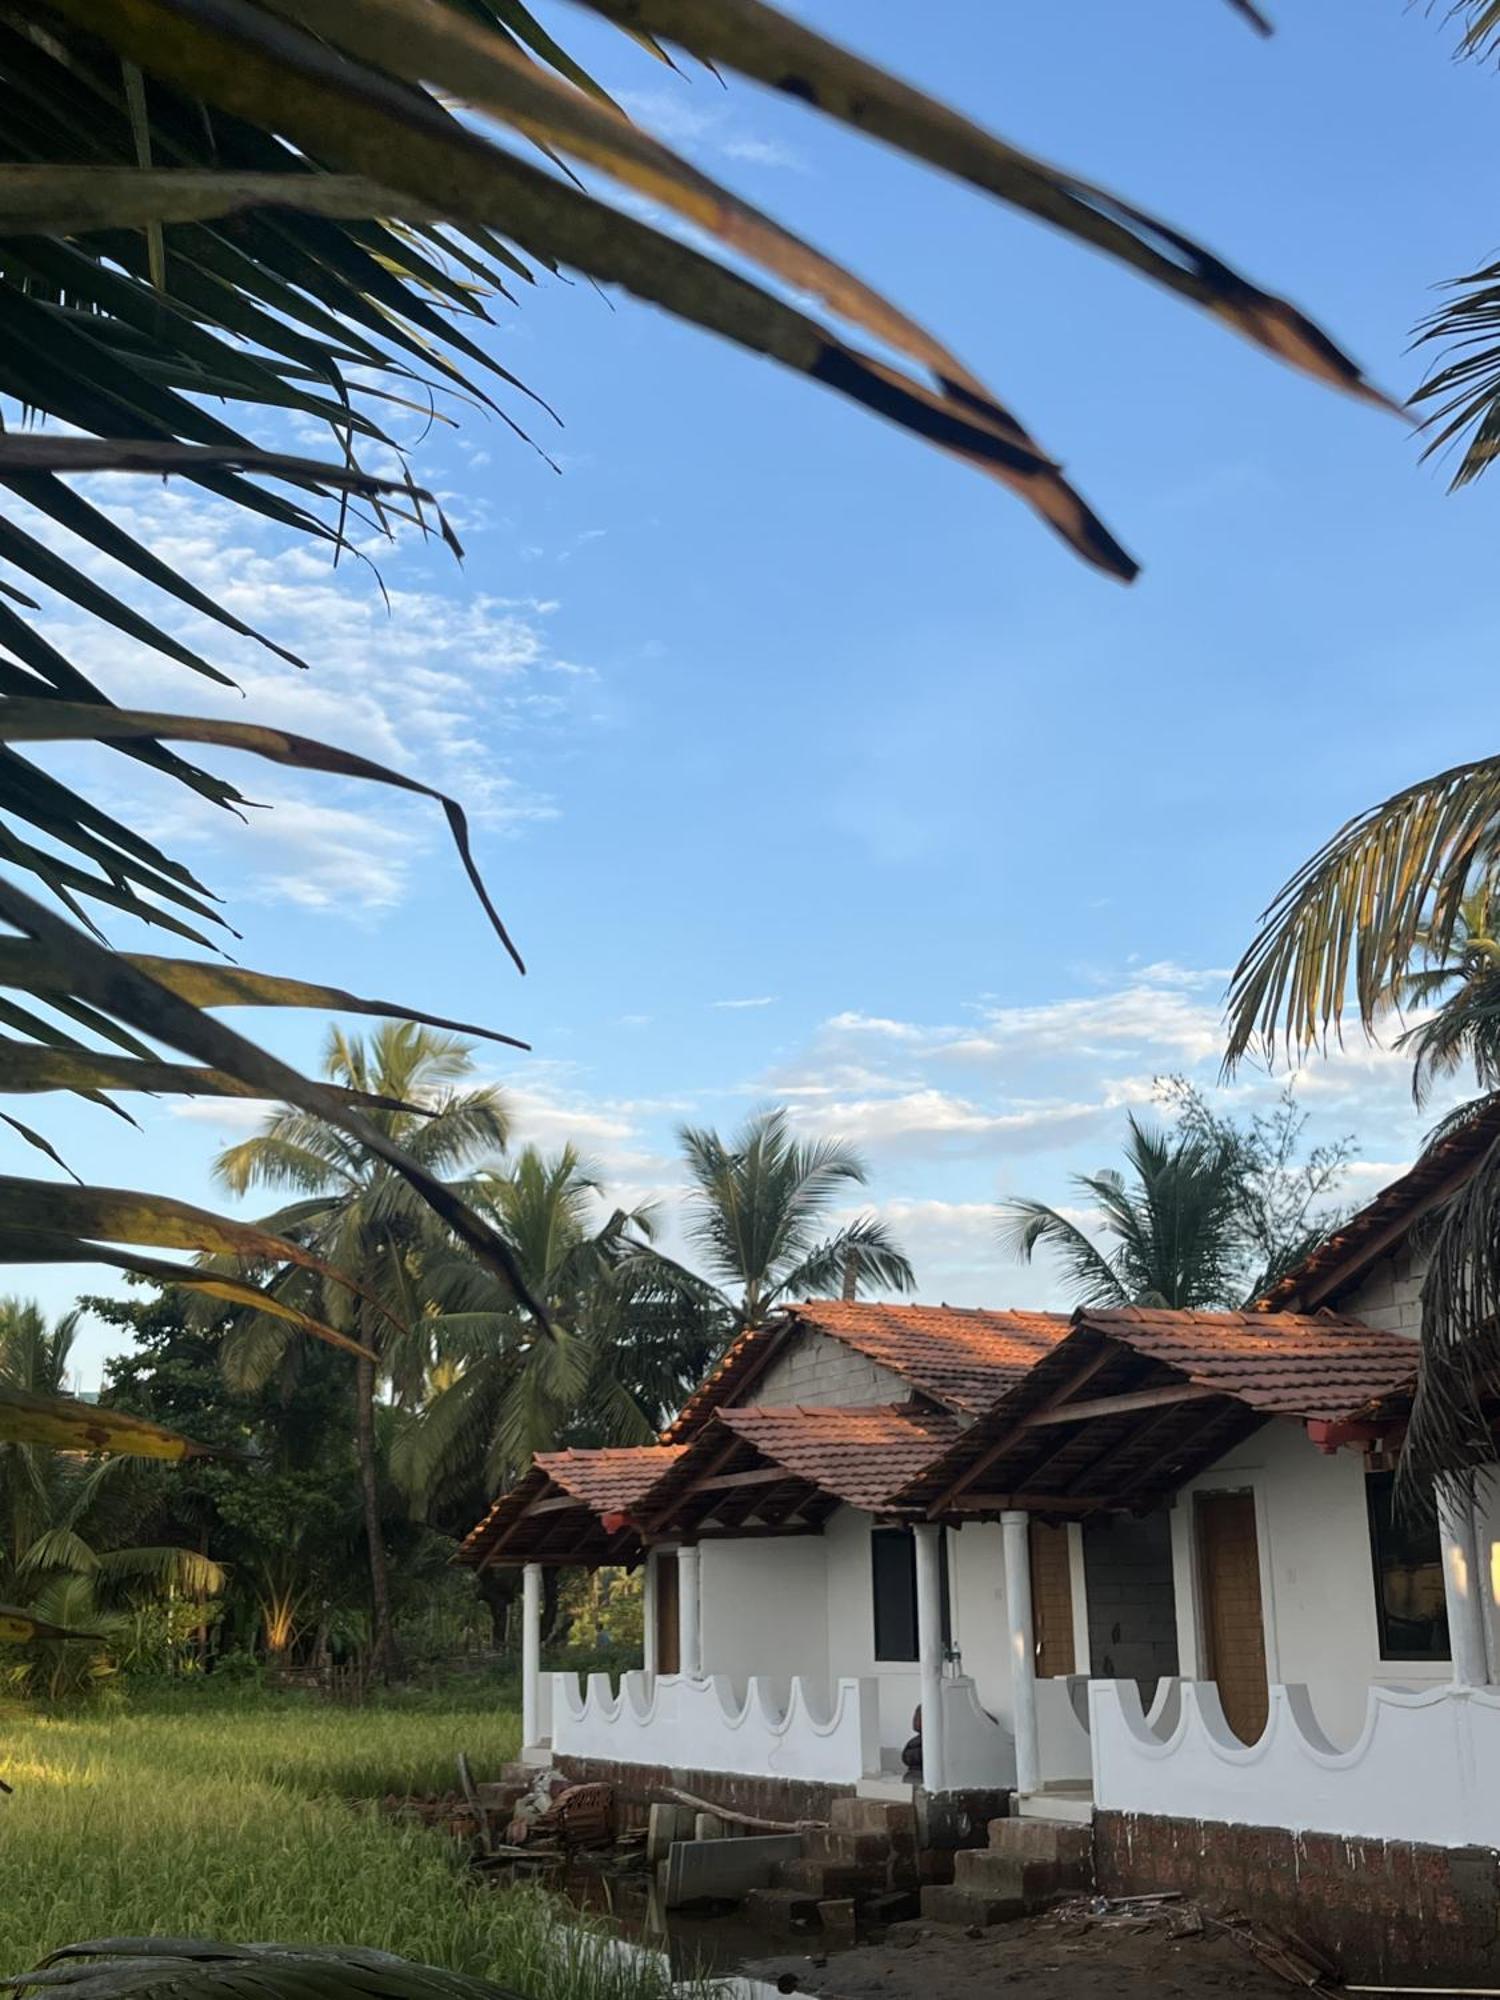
366	1224
69	1553
1207	1215
758	1211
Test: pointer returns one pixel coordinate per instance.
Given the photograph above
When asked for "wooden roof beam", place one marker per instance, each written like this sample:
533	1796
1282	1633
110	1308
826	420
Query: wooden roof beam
1120	1406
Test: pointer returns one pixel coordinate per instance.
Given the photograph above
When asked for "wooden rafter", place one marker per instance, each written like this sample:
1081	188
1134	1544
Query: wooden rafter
1108	1352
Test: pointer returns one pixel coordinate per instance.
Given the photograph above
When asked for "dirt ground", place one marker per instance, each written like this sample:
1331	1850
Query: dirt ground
1052	1957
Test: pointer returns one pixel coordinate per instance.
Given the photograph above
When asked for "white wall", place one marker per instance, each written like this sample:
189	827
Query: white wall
764	1608
819	1371
1317	1581
1423	1767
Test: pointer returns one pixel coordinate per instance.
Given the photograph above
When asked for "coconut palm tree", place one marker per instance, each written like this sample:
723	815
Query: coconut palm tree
1458	980
1388	900
1172	1225
364	1220
758	1214
627	1332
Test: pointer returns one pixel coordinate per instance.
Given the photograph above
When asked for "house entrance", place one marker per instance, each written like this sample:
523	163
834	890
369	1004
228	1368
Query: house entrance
1234	1637
1051	1601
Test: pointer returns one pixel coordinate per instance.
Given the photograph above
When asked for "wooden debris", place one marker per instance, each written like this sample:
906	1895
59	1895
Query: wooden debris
744	1818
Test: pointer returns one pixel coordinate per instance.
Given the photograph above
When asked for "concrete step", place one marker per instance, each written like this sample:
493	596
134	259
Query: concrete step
853	1815
949	1904
827	1879
863	1850
782	1911
1071	1803
1030	1861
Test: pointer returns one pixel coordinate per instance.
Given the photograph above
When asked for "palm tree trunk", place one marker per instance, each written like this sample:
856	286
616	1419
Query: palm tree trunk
385	1655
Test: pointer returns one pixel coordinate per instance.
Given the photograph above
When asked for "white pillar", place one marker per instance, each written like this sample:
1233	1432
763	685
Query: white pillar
930	1653
689	1618
531	1654
1463	1585
1016	1531
648	1612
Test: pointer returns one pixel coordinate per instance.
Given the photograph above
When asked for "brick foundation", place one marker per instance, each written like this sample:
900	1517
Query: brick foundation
639	1786
1382	1911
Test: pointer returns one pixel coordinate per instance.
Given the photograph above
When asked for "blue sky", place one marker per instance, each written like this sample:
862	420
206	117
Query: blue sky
808	766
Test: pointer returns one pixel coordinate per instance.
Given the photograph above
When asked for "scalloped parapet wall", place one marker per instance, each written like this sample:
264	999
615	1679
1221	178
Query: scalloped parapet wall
777	1728
1426	1765
773	1728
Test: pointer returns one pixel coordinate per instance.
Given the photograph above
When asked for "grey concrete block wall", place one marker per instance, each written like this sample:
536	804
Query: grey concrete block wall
821	1372
1389	1295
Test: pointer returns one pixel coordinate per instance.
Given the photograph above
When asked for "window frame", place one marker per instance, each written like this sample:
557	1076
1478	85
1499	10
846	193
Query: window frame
887	1537
1378	1489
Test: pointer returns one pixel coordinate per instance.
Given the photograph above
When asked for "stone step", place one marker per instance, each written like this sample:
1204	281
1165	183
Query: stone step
826	1879
949	1904
782	1911
1032	1862
854	1815
837	1843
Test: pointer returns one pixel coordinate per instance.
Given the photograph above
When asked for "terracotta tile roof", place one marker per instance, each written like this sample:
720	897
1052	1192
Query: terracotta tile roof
1136	1451
612	1479
860	1454
752	1469
1378	1228
1287	1364
962	1359
736	1368
607	1481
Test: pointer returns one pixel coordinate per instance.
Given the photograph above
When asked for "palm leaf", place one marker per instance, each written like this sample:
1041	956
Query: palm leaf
19	1628
1354	914
30	966
63	1425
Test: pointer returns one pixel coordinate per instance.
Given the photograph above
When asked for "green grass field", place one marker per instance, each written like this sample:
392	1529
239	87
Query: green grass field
238	1817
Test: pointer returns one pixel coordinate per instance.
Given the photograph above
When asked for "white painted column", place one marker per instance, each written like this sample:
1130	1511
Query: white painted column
929	1542
531	1654
648	1612
1463	1586
1078	1585
1015	1528
689	1618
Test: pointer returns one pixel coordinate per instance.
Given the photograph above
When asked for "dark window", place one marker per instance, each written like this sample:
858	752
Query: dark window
1409	1604
893	1568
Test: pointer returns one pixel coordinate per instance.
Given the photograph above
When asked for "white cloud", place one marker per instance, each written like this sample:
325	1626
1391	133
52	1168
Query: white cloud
448	689
760	1000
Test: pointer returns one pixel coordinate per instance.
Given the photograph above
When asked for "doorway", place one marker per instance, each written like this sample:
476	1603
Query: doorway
668	1635
1234	1633
1052	1600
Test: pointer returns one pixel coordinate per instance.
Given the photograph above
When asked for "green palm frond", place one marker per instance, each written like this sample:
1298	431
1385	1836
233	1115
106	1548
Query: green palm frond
1028	1226
1344	930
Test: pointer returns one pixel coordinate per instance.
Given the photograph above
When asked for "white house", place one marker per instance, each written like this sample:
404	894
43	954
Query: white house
1135	1567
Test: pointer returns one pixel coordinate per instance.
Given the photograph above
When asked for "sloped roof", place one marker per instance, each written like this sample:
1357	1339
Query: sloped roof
1376	1230
861	1454
601	1483
755	1470
1135	1402
1287	1364
736	1368
959	1357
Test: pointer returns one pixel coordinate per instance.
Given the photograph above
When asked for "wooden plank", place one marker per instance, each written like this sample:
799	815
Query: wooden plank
764	1475
1035	1503
1118	1406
